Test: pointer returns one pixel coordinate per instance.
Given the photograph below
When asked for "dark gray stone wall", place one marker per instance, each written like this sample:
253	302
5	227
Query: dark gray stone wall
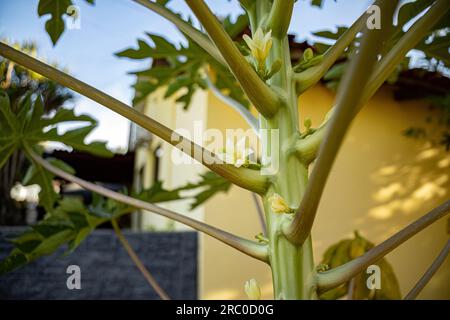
106	270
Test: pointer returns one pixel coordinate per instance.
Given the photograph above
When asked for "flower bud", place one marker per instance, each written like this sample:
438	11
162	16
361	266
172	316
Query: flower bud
278	204
252	290
260	45
307	123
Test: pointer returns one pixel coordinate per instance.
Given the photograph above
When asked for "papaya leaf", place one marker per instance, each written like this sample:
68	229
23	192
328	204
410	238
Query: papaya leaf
162	2
7	119
331	35
158	194
410	10
68	221
180	74
106	208
318	3
6	150
13	261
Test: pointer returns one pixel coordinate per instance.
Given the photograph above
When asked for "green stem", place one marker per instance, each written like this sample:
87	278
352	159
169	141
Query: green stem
243	177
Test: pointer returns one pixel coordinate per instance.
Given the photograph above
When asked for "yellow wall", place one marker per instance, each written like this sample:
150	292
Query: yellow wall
381	181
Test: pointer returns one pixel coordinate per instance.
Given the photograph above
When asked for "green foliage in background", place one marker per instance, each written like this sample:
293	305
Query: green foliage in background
68	221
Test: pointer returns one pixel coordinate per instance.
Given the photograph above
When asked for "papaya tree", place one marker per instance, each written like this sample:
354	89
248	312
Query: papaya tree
256	71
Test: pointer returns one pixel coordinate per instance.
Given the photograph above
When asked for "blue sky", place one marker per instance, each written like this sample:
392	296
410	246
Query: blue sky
112	25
